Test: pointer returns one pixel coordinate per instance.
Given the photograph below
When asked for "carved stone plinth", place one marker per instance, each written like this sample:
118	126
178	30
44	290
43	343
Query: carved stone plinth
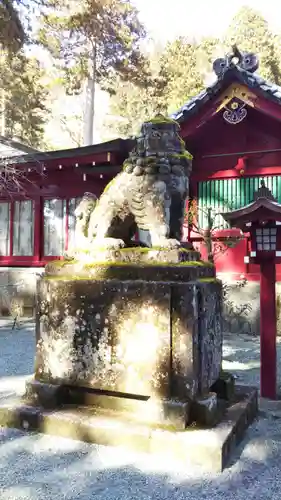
132	255
143	339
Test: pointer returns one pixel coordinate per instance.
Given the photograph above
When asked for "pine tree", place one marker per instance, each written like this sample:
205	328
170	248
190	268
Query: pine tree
96	41
182	63
23	98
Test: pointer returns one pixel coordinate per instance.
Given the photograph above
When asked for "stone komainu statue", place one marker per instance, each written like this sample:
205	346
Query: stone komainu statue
149	194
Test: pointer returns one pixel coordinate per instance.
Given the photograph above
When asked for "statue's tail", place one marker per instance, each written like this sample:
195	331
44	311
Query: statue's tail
88	203
84	211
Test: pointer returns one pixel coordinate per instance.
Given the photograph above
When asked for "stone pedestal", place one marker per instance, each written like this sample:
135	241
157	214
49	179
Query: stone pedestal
142	339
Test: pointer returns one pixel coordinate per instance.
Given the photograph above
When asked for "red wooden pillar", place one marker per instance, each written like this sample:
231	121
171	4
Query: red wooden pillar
38	223
268	329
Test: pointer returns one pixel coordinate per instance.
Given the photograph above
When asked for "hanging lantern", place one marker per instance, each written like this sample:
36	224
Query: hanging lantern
241	165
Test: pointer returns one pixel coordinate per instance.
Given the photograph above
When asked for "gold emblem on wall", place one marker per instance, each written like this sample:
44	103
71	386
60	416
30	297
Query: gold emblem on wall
236	90
235	111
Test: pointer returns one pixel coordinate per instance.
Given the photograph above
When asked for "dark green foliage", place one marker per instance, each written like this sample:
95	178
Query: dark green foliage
251	32
176	75
94	38
12	35
23	98
132	105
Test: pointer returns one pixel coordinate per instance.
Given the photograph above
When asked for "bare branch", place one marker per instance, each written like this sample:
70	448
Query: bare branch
13	176
215	246
75	134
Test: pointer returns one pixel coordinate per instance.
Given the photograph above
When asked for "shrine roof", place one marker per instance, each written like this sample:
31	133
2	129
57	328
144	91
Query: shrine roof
116	145
240	72
11	148
264	204
251	208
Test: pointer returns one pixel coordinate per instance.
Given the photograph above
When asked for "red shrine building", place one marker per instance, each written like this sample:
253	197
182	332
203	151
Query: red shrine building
233	131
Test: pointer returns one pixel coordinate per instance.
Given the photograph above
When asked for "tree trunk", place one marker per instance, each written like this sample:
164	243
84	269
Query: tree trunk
208	236
3	113
89	110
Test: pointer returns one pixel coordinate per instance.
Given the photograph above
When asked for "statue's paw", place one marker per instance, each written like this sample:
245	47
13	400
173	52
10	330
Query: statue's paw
69	255
167	243
108	243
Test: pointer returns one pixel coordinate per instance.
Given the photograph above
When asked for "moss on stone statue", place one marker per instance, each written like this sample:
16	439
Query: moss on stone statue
61	263
150	160
162	119
126	163
93	265
126	271
141	250
136	249
151	249
135	263
209	280
84	251
110	183
180	156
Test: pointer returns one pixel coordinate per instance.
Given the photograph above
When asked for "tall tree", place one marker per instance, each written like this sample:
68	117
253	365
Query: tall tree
251	32
94	40
23	98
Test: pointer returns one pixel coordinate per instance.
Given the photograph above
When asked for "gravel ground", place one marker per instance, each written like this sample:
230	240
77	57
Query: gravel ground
40	467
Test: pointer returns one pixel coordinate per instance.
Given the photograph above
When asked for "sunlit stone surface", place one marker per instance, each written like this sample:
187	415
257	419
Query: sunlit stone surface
154	340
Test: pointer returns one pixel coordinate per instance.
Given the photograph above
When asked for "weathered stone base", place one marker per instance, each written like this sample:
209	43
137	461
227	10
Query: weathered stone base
205	410
209	448
168	413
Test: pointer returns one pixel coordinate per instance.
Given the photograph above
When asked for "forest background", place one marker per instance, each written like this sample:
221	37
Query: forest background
75	75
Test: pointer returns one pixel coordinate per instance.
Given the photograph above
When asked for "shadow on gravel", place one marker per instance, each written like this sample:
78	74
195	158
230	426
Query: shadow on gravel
17	350
241	357
35	466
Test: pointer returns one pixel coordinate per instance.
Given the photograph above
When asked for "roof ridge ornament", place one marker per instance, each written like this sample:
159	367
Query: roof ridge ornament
263	192
247	61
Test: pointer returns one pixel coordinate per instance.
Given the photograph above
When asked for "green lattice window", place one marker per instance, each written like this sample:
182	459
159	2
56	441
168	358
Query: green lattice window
230	194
